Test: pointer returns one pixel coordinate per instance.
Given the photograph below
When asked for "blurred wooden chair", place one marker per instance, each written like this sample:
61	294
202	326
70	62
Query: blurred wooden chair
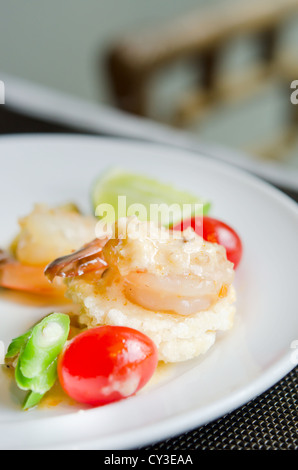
133	62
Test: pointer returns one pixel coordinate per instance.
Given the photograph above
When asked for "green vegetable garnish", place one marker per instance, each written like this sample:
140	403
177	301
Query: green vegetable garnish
17	344
39	384
140	189
37	351
44	344
31	400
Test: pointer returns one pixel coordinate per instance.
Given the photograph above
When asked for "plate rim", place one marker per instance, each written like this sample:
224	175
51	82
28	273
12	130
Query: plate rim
209	153
227	405
43	102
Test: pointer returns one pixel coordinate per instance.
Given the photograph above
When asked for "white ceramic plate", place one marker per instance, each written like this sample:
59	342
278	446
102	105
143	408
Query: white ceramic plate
243	363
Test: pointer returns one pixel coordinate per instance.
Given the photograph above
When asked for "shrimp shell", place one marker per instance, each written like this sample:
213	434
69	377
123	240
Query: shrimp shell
87	259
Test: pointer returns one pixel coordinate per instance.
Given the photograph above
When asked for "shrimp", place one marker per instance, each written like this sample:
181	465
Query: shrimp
183	295
45	234
49	233
182	275
31	279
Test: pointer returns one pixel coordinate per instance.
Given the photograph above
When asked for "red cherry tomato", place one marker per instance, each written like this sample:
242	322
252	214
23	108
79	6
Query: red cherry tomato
106	364
215	231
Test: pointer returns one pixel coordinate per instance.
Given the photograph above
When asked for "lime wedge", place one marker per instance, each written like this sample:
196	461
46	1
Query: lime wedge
118	193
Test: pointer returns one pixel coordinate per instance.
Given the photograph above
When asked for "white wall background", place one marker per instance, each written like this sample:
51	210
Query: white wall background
61	43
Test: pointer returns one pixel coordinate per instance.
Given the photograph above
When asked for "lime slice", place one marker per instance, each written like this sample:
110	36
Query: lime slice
118	193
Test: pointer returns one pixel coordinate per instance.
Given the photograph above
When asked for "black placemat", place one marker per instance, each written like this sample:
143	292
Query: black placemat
269	422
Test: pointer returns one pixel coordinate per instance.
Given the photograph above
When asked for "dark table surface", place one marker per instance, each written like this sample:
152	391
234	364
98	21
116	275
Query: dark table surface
268	422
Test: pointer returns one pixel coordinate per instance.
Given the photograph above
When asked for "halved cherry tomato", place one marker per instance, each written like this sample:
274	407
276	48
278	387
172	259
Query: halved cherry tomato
215	231
106	364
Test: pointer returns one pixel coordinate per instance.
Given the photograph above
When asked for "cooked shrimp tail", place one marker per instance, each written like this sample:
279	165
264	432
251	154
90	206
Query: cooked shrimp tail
20	277
4	257
87	259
